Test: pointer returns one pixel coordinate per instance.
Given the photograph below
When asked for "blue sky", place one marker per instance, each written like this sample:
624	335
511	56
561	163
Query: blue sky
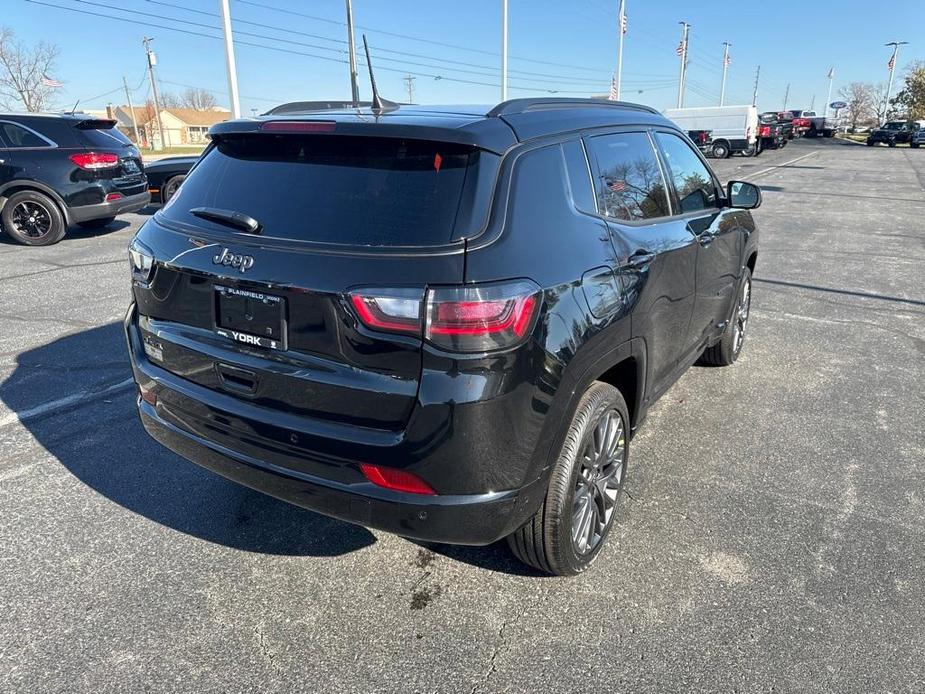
292	49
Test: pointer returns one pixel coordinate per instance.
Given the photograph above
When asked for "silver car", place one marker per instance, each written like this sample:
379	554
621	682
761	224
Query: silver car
918	137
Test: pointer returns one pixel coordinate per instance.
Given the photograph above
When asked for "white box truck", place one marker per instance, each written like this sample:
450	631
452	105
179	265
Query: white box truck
733	128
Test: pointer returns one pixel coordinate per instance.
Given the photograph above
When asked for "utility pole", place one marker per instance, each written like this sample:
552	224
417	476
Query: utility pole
354	87
503	50
831	76
755	91
152	61
812	103
722	90
229	60
622	31
892	66
409	85
682	52
786	96
128	98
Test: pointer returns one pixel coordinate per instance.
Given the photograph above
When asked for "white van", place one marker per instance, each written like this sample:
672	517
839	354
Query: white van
733	128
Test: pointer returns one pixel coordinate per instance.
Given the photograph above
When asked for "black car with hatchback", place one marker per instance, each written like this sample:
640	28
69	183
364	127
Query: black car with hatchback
446	323
166	175
62	169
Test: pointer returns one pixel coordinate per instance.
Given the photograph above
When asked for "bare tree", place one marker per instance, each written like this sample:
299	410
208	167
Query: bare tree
198	99
23	70
860	99
170	100
882	110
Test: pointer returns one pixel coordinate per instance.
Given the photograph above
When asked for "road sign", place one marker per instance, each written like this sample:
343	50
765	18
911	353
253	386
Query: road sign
838	104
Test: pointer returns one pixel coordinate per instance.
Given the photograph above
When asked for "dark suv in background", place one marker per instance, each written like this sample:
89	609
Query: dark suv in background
58	170
443	322
893	133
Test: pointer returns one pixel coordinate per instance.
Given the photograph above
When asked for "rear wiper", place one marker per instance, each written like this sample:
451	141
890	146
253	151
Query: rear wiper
230	217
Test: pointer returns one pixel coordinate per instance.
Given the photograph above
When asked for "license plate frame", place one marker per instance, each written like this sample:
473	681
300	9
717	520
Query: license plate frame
249	317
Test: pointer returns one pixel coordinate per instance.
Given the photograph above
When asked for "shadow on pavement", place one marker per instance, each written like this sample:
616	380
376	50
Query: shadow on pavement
848	292
103	444
76	232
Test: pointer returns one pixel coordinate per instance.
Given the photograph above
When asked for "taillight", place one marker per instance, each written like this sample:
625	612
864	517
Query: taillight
398	480
112	197
472	318
298	126
764	131
95	160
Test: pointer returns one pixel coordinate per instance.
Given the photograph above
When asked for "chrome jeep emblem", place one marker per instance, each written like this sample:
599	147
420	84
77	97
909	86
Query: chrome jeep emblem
242	262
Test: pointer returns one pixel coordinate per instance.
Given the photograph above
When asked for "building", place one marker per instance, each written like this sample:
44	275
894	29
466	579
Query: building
183	127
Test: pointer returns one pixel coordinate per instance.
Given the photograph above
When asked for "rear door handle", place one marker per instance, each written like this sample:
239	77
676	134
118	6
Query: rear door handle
640	259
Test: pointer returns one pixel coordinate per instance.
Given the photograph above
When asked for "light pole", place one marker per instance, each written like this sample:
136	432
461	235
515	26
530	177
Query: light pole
352	48
892	66
831	76
722	90
682	52
503	50
229	60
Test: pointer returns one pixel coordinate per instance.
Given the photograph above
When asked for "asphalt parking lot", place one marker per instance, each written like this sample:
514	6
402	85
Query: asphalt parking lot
773	537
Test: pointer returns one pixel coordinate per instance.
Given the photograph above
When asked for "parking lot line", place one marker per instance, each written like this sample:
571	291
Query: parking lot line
61	403
782	165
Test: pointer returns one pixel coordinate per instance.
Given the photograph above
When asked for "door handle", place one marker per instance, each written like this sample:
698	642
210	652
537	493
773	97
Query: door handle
640	259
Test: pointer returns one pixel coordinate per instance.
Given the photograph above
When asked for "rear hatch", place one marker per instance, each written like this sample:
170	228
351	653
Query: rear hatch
118	160
263	244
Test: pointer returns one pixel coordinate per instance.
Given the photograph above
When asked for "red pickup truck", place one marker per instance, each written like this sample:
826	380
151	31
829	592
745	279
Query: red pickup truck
809	124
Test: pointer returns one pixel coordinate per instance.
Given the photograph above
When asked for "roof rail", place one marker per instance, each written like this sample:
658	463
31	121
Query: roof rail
512	106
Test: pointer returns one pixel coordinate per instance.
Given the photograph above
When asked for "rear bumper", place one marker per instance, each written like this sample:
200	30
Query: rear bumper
131	203
471	519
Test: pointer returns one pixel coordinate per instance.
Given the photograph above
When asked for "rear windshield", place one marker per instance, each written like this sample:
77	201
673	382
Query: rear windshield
103	137
332	189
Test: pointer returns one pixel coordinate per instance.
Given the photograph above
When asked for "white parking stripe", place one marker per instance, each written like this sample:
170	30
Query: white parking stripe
45	408
780	166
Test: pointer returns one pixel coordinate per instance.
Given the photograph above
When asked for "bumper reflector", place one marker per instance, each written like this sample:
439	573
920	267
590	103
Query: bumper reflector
397	480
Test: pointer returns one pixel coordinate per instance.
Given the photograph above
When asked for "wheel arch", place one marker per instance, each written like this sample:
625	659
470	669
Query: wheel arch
752	260
13	187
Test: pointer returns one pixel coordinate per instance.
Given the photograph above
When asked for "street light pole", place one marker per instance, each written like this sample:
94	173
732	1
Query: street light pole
503	50
892	64
229	60
682	48
722	90
352	48
622	30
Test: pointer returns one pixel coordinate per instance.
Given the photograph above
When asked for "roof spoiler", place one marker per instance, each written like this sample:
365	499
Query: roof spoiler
513	106
96	124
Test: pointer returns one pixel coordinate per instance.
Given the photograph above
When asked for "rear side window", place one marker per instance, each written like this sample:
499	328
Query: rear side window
103	137
692	181
331	189
628	181
17	136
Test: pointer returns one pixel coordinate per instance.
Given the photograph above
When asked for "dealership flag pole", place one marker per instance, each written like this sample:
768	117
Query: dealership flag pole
892	66
620	49
682	53
831	76
229	61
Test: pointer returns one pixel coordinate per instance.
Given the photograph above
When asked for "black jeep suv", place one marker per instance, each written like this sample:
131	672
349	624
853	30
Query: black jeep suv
443	322
58	170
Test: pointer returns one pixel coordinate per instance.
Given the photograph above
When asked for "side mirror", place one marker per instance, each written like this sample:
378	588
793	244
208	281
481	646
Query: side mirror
744	196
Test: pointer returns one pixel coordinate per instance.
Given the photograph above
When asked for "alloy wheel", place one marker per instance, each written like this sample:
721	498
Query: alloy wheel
741	317
31	219
599	482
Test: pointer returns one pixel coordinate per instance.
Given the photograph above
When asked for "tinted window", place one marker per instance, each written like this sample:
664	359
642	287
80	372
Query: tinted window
579	176
690	176
17	136
629	184
103	137
330	189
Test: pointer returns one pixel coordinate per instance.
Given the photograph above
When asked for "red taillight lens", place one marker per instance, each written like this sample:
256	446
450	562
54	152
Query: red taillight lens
298	126
474	318
95	160
480	318
111	197
397	480
764	131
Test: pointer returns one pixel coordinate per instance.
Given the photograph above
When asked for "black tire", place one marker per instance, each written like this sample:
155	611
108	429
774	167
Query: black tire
33	219
170	187
720	150
812	132
546	541
892	143
870	144
727	350
914	145
97	223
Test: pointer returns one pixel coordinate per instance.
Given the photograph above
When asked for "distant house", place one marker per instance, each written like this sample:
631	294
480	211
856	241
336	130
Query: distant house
183	127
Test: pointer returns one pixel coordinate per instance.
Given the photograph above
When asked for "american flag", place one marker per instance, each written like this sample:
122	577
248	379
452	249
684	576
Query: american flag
680	49
49	82
617	186
728	60
892	62
831	73
613	89
623	22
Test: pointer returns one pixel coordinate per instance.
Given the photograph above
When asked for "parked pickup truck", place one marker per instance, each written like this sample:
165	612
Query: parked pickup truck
809	124
781	118
702	138
771	133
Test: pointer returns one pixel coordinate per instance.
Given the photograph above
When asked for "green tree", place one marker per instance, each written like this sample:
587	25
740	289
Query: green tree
911	98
